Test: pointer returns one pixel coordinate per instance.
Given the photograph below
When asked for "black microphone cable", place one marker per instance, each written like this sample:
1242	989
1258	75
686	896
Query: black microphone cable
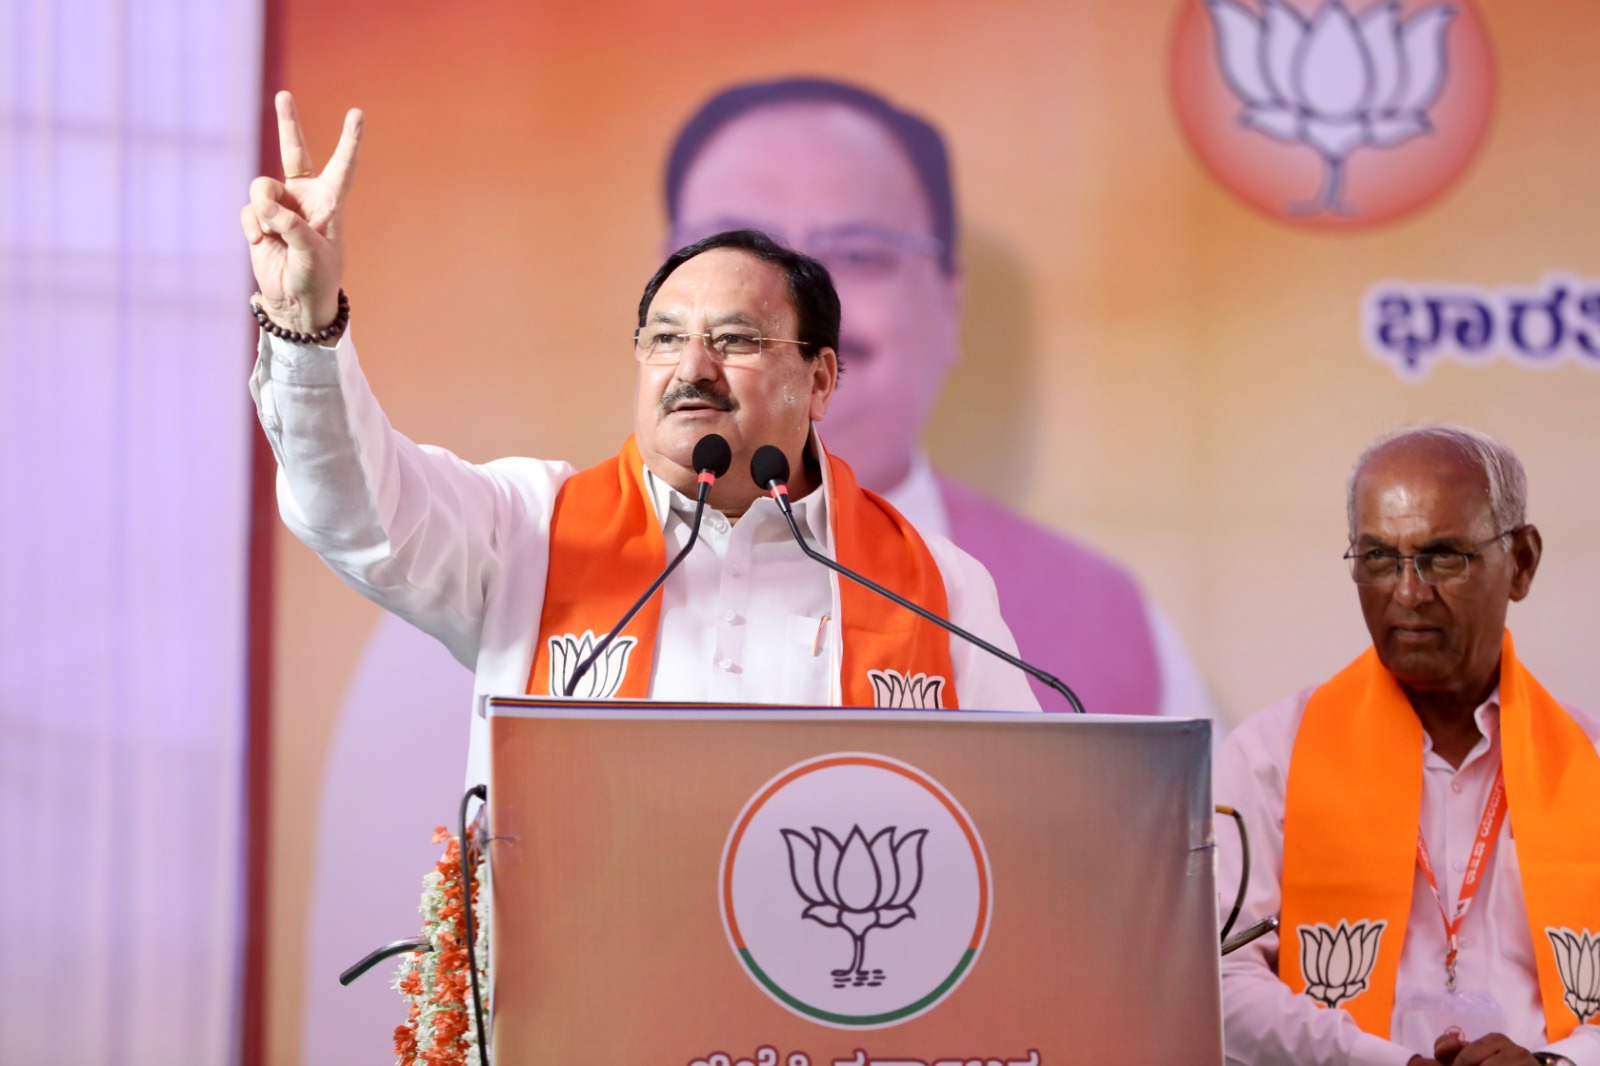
712	457
770	469
1244	867
481	792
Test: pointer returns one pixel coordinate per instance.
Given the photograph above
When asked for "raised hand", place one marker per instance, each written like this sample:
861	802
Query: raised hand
296	226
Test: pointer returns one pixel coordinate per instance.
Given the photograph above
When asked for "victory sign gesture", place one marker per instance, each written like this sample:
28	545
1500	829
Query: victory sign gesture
296	226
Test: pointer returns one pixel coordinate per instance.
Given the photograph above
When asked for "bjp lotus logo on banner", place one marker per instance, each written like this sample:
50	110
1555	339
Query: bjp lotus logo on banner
1331	113
855	891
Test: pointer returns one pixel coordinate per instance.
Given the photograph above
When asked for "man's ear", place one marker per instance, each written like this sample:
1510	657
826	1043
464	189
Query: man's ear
1526	549
824	379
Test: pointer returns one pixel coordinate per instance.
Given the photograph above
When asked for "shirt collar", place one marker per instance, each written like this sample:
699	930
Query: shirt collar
1488	714
810	513
1487	719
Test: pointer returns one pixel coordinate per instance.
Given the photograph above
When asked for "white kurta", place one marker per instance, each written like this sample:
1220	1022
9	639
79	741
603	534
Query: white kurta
1264	1023
461	550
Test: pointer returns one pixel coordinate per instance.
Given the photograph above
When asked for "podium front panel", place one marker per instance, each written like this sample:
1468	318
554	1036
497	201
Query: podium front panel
726	886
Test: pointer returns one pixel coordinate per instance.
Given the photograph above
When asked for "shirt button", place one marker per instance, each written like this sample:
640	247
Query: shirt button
729	617
1455	786
719	525
726	664
736	570
1458	866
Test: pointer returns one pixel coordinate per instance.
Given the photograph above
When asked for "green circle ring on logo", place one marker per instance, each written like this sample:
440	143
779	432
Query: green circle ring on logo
980	862
909	1010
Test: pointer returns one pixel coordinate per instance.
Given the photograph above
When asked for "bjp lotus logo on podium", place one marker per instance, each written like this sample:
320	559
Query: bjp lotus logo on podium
861	860
858	886
1330	113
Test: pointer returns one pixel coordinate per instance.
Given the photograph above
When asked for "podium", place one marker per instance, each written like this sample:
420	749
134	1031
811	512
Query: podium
717	886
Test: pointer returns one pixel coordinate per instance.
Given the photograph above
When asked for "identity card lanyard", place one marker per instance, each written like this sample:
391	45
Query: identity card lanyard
1494	814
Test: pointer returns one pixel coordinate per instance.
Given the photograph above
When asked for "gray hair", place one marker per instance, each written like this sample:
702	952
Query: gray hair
1508	483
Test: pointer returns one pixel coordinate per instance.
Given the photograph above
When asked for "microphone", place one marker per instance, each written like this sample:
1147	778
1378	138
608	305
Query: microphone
711	459
770	469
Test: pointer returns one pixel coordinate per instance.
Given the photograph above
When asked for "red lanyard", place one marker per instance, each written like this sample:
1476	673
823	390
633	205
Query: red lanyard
1494	814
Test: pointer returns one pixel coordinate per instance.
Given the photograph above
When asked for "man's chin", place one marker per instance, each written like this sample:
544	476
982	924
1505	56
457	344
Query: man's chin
1421	670
676	437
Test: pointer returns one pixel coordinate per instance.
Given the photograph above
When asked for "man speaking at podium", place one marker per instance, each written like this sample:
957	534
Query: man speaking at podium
516	564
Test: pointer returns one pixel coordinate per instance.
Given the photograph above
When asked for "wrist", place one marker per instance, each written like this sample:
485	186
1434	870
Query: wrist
304	329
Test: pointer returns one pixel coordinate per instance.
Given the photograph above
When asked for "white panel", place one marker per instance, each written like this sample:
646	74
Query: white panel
129	137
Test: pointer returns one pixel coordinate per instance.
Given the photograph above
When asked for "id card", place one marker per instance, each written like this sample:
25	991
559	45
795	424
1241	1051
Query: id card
1421	1016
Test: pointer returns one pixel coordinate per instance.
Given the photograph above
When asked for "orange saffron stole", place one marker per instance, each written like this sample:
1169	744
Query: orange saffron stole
1353	806
606	546
872	538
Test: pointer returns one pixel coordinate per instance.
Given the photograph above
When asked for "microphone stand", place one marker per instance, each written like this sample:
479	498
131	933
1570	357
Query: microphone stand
706	480
780	493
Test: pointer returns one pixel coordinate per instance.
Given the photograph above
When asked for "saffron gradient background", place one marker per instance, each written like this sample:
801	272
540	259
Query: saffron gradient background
1150	363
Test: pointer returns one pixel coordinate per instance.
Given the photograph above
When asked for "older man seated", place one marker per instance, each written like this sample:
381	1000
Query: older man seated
1427	822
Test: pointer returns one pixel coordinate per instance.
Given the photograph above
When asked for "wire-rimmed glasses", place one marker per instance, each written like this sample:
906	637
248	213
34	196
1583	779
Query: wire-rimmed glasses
1380	566
666	344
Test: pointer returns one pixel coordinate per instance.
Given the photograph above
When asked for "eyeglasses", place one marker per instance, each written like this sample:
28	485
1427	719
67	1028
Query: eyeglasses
857	252
738	347
1383	567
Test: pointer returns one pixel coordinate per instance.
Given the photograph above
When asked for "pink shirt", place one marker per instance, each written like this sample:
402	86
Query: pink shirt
1263	1021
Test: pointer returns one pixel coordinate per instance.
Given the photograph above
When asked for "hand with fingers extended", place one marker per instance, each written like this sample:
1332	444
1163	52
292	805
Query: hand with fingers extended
296	226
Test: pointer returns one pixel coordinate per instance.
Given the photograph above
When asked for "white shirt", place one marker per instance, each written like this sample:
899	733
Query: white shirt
747	618
461	550
1263	1021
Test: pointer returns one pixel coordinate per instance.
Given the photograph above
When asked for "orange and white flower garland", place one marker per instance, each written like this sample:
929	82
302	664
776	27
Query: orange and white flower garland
439	1029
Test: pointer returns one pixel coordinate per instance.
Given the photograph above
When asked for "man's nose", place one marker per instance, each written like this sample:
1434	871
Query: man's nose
1409	588
695	362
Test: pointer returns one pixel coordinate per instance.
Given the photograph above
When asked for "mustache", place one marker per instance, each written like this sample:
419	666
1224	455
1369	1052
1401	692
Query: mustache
690	392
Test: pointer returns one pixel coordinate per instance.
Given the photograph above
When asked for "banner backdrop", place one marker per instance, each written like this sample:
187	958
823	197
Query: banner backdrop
1208	255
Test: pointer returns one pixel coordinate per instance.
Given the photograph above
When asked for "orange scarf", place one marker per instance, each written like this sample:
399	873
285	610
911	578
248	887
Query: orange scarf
606	546
1350	837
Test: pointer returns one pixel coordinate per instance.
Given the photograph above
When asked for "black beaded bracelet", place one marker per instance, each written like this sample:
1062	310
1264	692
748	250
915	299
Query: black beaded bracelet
340	321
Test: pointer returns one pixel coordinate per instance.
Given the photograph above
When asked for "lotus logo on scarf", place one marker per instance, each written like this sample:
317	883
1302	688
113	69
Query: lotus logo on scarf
603	678
858	886
1336	962
891	688
1333	113
1578	962
855	891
